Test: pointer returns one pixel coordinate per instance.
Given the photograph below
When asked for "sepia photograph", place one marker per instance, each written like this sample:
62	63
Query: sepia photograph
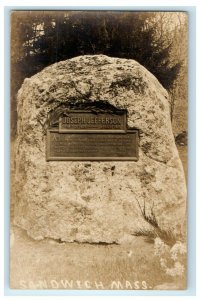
98	159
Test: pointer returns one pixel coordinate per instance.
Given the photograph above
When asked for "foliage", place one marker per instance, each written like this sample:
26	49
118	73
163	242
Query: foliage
168	236
40	38
172	259
167	245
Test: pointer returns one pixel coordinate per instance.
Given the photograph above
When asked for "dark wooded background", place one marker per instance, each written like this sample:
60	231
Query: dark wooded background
157	40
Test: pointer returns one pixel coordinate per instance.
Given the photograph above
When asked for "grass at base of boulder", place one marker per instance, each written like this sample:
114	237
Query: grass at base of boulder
47	264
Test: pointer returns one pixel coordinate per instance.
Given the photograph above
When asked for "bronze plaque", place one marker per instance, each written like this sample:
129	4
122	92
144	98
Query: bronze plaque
87	121
92	146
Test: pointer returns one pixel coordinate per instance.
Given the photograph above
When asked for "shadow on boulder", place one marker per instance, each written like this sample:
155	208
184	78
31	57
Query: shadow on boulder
181	138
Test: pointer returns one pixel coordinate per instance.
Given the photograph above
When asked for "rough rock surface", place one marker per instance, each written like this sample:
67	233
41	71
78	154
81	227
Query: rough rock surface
88	201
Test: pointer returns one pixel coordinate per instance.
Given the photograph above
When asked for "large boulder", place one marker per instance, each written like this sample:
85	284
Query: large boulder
97	201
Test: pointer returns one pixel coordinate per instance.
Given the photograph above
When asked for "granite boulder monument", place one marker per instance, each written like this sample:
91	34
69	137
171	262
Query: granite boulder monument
94	145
